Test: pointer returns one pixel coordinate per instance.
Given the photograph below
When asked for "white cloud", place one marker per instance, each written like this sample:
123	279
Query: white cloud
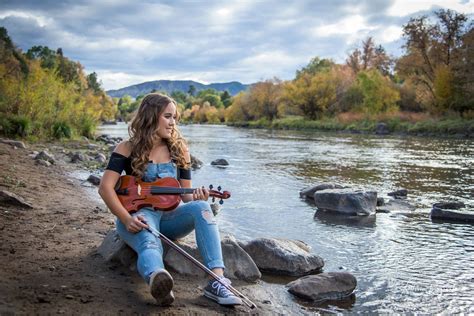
387	34
41	20
349	25
407	7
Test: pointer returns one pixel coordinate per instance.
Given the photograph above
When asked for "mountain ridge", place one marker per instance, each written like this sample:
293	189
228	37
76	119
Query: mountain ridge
233	87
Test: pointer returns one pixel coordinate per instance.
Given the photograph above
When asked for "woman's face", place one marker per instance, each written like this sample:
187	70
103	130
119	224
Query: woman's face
167	121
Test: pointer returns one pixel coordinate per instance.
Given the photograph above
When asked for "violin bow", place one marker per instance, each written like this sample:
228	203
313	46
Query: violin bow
158	234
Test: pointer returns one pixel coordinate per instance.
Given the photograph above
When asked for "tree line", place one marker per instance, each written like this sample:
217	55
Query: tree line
44	94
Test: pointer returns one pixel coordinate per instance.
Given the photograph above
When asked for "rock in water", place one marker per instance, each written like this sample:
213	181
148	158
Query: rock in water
308	193
346	201
220	162
283	257
438	214
324	286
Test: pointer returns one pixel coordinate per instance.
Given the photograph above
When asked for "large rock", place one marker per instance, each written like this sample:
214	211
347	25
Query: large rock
11	198
14	143
438	214
195	163
308	193
46	156
283	257
324	286
114	249
239	265
346	201
449	205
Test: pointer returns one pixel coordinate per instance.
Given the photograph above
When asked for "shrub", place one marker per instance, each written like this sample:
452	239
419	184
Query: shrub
61	130
19	125
87	127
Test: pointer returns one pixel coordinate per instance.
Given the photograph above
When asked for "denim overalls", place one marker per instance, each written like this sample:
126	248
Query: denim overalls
174	224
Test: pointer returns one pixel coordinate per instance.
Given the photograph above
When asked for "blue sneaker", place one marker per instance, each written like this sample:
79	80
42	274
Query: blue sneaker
219	293
161	285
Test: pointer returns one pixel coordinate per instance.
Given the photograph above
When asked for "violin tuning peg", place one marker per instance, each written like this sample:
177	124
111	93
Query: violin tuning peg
211	186
219	188
221	202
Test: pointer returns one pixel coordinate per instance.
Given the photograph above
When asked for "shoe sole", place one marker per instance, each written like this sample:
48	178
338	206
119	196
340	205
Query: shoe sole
161	287
223	301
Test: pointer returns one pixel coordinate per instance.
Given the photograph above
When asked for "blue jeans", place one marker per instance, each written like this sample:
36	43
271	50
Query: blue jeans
174	225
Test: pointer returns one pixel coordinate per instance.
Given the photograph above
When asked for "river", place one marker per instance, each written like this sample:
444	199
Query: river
403	261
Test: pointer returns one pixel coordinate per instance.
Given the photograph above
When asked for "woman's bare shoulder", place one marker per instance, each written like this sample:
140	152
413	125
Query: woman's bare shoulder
124	148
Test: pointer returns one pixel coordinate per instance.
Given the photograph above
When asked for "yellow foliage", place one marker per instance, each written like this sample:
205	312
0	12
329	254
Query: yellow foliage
443	86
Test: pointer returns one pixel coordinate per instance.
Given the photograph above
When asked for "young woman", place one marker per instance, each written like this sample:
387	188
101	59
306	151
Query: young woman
156	149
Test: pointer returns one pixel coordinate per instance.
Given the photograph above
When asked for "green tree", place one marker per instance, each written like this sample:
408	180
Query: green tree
226	98
93	83
315	66
45	54
192	90
379	93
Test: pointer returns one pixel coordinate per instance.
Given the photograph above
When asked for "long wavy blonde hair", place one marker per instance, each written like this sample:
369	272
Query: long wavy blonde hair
143	134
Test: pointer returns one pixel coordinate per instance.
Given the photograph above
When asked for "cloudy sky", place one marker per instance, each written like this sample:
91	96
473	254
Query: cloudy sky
209	41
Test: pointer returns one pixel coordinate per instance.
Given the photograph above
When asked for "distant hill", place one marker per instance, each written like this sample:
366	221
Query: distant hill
169	86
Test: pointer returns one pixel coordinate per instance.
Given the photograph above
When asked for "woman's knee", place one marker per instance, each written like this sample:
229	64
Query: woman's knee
148	244
202	209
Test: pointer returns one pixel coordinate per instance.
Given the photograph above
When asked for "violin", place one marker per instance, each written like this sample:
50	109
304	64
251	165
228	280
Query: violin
163	194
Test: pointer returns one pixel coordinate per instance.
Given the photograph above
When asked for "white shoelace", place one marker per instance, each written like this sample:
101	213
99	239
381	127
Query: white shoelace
221	288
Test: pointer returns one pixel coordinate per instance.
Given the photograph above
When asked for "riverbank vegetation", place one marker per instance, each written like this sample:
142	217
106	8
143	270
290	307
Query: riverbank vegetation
429	89
44	94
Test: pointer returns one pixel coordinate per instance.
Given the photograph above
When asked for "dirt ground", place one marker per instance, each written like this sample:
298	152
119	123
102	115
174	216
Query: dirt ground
48	258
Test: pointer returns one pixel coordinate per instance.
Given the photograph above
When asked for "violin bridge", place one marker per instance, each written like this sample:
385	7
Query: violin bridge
139	189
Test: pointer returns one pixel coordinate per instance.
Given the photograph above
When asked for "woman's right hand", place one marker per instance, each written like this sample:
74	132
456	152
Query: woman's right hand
134	224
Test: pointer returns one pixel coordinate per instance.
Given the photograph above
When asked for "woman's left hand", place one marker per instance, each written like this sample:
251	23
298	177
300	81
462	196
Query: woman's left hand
201	194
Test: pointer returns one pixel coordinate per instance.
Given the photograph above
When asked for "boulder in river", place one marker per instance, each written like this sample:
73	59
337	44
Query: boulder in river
283	256
346	201
449	205
220	162
324	286
440	215
399	194
195	163
308	193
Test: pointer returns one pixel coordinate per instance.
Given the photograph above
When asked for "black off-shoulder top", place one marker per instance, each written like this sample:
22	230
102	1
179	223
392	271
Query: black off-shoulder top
120	163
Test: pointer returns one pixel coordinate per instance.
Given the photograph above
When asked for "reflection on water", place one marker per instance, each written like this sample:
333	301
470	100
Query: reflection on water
403	261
